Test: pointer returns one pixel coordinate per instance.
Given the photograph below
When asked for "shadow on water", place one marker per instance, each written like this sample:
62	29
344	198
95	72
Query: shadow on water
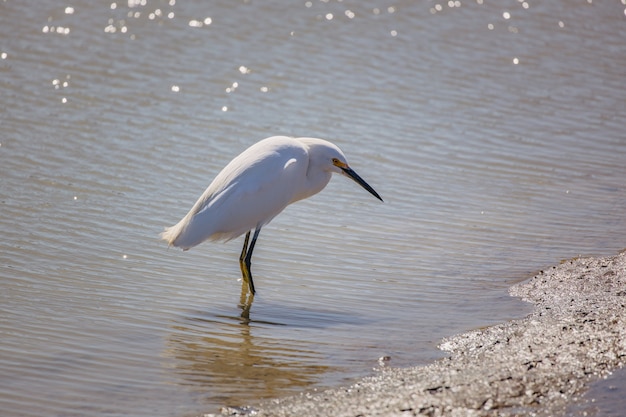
236	356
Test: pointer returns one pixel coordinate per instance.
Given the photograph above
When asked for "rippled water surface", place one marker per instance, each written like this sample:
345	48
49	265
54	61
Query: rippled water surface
493	130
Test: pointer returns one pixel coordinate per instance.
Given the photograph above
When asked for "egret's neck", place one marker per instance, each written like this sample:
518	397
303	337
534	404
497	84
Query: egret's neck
315	181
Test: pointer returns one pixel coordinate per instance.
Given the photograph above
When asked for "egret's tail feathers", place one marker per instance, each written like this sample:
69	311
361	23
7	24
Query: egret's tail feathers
171	234
187	233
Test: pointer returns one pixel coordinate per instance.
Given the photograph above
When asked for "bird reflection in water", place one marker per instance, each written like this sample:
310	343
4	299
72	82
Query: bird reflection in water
234	360
247	290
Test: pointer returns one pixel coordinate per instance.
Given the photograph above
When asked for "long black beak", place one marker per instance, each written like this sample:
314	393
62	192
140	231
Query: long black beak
350	173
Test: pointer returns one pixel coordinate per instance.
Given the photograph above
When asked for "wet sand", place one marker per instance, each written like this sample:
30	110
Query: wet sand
538	365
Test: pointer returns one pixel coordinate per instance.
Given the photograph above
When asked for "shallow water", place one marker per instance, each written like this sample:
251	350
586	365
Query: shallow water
493	131
605	398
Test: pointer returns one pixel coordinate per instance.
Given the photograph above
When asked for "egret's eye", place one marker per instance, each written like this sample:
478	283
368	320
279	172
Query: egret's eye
336	161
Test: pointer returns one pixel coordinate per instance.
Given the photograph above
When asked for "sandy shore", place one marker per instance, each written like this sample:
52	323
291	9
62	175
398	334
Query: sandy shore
533	366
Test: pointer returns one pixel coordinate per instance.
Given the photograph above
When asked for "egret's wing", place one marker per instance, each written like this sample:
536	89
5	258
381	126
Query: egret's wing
255	195
252	189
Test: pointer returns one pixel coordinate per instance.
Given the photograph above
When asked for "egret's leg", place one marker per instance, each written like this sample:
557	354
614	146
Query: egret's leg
245	257
251	248
245	247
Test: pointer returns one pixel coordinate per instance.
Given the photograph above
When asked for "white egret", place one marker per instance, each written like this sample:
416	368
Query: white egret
257	185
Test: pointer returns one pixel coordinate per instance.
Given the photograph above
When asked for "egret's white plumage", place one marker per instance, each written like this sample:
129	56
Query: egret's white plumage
257	185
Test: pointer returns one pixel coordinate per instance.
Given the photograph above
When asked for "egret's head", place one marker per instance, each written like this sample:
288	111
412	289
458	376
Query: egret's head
325	155
328	157
340	165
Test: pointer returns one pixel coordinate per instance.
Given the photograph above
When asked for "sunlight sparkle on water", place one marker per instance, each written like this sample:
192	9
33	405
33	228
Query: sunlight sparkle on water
199	23
57	83
56	29
232	88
